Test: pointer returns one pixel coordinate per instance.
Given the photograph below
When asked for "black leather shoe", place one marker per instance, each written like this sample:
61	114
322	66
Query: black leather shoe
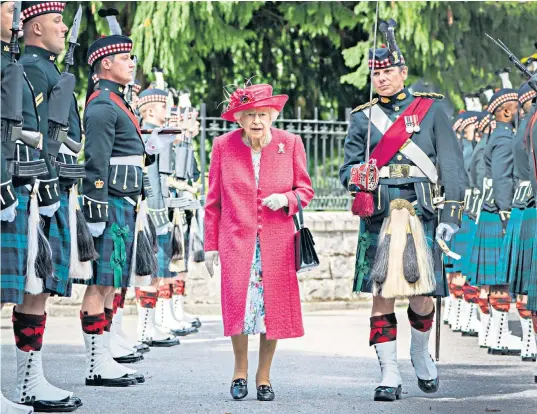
429	386
77	401
184	331
140	379
528	359
61	406
142	348
265	393
129	359
123	381
164	343
388	393
239	389
196	323
470	333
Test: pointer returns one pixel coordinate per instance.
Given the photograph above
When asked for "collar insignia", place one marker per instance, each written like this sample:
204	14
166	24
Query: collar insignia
120	89
6	48
52	58
383	99
401	96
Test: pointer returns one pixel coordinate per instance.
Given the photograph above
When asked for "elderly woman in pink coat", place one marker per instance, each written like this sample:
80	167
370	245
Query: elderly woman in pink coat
255	176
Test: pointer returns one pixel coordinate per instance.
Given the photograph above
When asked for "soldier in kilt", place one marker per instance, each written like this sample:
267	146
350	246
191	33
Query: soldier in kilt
112	205
44	37
403	199
499	188
520	242
157	325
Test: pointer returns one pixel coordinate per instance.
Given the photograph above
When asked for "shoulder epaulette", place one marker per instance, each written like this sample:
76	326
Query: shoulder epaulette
366	105
428	95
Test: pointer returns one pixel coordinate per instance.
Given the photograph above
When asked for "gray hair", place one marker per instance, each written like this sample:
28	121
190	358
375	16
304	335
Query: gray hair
274	114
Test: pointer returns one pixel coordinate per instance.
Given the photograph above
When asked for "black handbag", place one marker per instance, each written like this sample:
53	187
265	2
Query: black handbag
305	255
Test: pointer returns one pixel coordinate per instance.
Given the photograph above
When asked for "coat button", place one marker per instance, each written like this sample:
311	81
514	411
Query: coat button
260	227
259	218
260	208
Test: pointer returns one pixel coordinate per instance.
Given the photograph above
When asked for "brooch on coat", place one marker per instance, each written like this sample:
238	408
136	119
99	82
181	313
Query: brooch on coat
281	148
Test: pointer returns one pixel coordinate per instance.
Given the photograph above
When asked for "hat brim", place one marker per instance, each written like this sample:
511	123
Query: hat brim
276	102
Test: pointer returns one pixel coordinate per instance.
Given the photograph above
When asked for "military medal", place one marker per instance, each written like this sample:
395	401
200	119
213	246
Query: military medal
415	123
409	126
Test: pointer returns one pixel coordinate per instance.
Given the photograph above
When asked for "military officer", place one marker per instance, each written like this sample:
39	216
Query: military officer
112	191
403	199
44	37
484	267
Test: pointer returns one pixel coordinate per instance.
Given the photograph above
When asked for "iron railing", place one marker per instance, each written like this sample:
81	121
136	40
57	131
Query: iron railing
323	141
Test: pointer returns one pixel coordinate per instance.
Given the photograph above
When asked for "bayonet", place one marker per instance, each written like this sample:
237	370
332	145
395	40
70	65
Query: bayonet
73	39
14	43
130	86
519	65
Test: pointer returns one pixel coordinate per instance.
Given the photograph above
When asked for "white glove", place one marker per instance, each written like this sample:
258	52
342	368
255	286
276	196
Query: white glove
9	214
276	201
445	231
158	142
161	231
211	259
49	211
96	229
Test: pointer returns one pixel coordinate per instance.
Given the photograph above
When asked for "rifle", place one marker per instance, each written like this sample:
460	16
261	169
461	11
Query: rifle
61	97
532	78
130	86
12	87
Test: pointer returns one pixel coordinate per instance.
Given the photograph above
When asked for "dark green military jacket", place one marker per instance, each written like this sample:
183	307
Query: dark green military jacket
477	164
43	73
436	138
498	157
17	155
521	169
532	148
110	134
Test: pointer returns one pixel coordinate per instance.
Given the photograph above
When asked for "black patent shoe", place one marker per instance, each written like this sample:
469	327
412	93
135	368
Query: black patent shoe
239	389
61	406
77	401
184	331
388	393
429	386
142	348
265	393
140	379
196	323
165	343
124	381
129	359
470	333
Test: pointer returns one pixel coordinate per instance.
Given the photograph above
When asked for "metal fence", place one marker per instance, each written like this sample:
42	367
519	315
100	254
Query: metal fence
323	141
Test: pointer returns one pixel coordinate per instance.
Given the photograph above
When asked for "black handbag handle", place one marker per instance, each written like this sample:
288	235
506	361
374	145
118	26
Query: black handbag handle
299	223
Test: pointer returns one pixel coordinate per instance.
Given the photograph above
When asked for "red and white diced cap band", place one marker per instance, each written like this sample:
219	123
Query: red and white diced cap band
42	8
109	50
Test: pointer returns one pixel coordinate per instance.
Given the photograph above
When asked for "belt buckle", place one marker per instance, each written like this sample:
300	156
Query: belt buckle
399	170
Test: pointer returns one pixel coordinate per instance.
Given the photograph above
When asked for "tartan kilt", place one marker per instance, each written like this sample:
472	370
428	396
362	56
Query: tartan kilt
459	243
531	286
522	259
121	212
164	256
56	230
13	249
368	241
484	265
466	253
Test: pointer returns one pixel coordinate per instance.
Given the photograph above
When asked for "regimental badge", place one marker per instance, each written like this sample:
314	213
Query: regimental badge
120	89
99	184
383	99
395	57
52	58
6	48
281	148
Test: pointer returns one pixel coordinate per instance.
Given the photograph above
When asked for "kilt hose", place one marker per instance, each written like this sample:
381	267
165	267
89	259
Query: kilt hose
518	262
56	230
459	244
164	256
484	265
13	249
114	246
368	241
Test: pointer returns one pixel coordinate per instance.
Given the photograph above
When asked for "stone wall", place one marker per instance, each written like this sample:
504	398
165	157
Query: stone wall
336	237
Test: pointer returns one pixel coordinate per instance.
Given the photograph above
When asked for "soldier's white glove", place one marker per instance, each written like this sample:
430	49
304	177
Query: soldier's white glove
9	214
49	211
96	229
211	259
161	231
276	201
158	142
446	231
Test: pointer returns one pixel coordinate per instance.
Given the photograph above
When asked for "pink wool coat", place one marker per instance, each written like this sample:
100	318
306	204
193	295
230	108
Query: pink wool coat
234	216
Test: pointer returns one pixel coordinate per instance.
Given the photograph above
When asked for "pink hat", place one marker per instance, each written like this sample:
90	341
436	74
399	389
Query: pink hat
254	96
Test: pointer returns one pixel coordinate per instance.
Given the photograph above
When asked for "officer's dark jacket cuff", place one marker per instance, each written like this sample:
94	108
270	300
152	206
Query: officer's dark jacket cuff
8	195
452	212
95	211
49	192
159	216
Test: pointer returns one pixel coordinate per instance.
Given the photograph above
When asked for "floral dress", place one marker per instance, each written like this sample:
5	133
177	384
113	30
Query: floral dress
254	317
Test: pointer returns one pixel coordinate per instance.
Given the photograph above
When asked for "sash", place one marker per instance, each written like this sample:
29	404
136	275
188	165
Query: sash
395	137
119	102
